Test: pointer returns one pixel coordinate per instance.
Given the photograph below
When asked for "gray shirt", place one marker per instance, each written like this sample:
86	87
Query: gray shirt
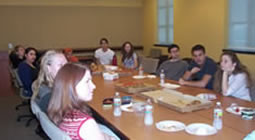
43	97
173	70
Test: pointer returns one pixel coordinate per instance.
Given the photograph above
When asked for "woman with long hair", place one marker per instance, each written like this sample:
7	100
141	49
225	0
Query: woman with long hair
51	62
129	57
233	78
27	71
72	88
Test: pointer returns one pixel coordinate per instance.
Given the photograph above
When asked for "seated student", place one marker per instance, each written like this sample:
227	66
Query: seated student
104	55
17	56
201	70
69	55
72	88
129	57
27	71
232	79
173	68
51	62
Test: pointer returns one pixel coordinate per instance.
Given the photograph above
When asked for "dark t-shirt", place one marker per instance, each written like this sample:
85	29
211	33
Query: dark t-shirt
27	75
209	68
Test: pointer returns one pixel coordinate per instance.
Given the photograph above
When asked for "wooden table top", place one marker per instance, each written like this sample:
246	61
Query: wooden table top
132	124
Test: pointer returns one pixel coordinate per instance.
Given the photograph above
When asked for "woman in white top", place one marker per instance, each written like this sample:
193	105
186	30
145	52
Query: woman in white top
129	57
232	79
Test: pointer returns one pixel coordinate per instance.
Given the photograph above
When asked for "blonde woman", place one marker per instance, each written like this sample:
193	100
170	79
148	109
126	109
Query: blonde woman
51	62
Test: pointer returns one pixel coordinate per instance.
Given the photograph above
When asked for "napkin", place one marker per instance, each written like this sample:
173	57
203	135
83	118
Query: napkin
250	136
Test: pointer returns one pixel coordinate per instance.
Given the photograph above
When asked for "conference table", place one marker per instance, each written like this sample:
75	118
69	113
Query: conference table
131	125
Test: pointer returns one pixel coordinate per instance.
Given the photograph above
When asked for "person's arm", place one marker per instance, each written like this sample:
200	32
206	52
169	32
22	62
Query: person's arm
135	61
237	83
224	83
201	83
90	131
188	73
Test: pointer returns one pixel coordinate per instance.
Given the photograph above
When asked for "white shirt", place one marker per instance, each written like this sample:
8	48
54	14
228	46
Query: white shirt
105	58
237	86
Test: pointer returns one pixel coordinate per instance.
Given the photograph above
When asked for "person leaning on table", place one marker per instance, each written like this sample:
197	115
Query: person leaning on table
201	70
232	79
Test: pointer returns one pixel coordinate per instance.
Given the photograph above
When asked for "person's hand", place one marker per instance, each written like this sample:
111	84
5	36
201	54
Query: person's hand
229	70
195	70
181	81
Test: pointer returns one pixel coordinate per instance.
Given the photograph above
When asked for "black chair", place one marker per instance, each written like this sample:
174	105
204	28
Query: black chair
252	92
187	59
25	102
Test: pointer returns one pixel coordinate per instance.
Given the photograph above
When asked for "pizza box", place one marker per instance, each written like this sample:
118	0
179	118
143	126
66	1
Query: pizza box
132	87
176	100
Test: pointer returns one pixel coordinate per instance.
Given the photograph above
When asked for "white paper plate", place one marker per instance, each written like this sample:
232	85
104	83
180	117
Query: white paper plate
170	86
151	76
127	107
170	126
139	76
110	67
200	129
231	110
207	96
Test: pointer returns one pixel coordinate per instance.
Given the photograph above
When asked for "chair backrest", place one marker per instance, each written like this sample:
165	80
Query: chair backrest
52	131
252	92
18	78
13	75
22	91
155	53
150	64
187	59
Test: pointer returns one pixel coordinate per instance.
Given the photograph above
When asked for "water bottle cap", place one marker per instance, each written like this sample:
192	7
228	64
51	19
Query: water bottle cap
117	93
218	103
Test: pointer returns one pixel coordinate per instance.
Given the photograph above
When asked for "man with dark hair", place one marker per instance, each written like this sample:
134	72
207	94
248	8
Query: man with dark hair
201	70
104	54
173	68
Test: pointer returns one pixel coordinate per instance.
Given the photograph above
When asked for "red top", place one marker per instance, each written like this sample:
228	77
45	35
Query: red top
72	123
73	59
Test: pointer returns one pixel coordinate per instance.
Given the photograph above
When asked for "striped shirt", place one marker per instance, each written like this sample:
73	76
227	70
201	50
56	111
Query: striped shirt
72	123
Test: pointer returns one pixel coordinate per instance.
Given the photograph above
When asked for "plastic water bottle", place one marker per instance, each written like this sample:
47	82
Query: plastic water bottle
148	118
162	77
117	104
141	70
217	115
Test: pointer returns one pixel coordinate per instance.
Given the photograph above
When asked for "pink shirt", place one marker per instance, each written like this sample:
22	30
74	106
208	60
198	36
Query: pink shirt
72	123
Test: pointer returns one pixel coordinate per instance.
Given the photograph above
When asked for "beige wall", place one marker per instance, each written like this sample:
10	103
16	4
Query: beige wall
195	21
104	3
52	25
